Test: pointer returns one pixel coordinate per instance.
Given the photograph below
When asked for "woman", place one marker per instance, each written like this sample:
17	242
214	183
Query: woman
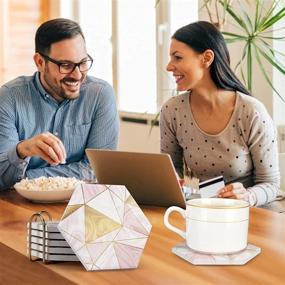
216	127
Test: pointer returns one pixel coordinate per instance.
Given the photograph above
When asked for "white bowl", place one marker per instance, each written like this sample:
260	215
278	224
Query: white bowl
57	194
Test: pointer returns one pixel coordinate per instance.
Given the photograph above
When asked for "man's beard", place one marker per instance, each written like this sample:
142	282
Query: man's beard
58	90
62	92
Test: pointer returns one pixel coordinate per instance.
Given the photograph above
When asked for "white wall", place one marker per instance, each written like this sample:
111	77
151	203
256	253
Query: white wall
139	137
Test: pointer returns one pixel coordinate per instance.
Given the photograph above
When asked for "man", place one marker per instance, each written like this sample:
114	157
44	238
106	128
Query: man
48	120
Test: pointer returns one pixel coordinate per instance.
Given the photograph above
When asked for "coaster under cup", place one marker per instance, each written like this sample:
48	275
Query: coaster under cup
197	258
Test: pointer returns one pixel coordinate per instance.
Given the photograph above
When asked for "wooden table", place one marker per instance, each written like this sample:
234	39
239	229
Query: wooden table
157	266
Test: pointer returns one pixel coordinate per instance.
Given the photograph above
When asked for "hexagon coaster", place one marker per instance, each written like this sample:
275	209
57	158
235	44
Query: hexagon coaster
196	258
105	227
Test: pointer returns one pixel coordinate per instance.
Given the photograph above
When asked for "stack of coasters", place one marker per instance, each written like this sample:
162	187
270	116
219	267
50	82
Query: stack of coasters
44	241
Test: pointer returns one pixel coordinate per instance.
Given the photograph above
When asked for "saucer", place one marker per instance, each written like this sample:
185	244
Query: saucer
197	258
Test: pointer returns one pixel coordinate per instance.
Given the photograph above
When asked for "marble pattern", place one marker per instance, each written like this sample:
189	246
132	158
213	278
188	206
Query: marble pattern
105	227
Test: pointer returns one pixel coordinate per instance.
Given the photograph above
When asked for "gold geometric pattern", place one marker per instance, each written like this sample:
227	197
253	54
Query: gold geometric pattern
97	224
69	210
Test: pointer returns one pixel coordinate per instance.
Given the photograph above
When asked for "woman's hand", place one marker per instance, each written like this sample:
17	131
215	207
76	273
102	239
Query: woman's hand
181	181
234	191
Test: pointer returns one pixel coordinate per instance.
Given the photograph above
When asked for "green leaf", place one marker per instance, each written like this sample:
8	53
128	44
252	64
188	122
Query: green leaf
269	47
266	49
242	58
272	38
271	60
238	19
274	19
156	3
153	122
265	74
271	31
267	14
235	39
242	75
232	40
235	35
258	11
246	17
249	67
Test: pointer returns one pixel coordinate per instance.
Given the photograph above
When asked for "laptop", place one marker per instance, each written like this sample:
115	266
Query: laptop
149	177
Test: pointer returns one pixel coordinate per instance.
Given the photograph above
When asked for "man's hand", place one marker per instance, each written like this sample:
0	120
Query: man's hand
46	146
234	191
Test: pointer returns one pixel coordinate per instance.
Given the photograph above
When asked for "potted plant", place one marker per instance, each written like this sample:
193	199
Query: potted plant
255	22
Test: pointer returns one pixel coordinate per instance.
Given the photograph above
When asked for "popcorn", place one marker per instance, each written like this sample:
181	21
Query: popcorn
49	183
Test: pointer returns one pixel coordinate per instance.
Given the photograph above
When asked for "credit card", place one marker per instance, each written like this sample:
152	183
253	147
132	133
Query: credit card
210	188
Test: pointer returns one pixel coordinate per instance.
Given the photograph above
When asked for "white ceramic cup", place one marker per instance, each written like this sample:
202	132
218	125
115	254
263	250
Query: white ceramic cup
213	225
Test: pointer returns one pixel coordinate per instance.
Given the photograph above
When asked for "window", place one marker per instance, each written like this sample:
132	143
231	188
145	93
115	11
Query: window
129	41
136	55
19	21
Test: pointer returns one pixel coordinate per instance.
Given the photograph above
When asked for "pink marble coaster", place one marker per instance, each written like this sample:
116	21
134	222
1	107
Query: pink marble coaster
105	227
196	258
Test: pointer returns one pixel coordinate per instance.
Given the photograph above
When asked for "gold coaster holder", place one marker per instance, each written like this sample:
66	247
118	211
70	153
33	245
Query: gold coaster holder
43	217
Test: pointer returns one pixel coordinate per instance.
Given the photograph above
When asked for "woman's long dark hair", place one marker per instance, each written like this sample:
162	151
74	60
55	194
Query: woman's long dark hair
201	36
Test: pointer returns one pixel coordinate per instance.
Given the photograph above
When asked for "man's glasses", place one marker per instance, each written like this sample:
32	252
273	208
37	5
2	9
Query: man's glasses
68	67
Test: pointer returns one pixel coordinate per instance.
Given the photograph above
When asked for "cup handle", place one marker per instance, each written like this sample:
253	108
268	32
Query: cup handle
169	226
